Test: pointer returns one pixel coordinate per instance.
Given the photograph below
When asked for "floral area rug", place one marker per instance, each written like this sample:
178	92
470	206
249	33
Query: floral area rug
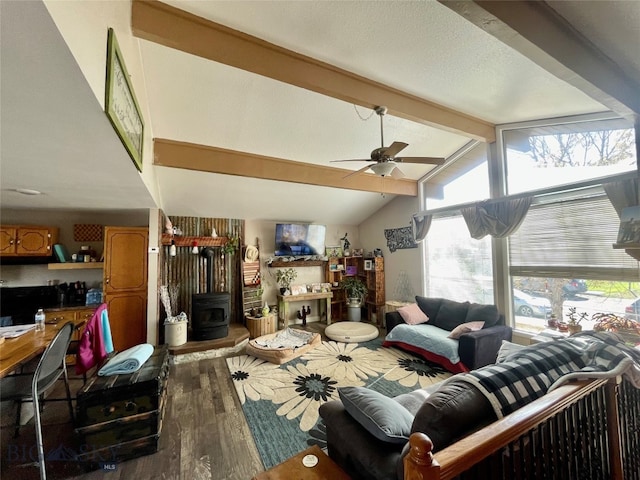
281	402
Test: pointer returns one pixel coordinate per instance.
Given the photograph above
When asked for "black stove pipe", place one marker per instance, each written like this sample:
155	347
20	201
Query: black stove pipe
208	252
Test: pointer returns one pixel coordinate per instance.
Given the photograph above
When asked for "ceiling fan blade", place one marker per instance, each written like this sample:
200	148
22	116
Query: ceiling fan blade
424	160
395	148
356	171
397	173
353	160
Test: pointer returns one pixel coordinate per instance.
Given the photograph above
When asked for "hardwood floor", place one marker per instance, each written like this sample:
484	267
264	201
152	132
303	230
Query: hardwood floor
204	432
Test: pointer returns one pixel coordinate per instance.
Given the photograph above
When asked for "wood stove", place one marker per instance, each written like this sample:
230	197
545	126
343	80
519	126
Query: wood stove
210	315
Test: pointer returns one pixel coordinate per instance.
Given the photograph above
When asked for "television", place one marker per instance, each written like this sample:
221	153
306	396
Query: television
295	239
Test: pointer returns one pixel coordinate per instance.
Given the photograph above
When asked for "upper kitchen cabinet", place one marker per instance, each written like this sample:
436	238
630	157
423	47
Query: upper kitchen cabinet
27	240
125	259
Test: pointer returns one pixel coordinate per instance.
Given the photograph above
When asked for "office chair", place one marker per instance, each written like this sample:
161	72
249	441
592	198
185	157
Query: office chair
31	387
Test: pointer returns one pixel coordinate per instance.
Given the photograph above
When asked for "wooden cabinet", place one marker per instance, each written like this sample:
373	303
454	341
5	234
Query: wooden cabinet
79	316
125	284
373	277
27	240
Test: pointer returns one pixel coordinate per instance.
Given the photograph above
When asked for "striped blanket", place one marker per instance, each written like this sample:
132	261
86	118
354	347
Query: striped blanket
529	373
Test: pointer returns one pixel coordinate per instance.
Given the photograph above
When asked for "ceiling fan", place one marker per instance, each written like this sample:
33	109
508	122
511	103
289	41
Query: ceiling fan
386	161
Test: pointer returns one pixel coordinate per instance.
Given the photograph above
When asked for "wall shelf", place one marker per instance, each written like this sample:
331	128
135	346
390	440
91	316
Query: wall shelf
297	263
75	266
187	241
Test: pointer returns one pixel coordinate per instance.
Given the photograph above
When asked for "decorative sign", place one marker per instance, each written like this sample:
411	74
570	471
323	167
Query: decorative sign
399	238
120	103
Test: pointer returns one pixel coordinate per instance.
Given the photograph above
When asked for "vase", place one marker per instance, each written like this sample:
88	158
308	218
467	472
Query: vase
563	327
574	329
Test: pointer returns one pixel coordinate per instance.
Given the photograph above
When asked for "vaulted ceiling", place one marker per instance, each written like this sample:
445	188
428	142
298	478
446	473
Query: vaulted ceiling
250	101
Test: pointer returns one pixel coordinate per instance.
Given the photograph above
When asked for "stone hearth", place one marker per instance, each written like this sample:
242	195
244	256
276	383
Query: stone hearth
233	343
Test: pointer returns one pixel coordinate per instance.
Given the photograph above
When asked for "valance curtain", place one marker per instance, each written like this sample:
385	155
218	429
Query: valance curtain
496	218
622	194
421	227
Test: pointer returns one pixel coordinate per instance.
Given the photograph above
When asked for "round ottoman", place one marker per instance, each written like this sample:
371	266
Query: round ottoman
351	332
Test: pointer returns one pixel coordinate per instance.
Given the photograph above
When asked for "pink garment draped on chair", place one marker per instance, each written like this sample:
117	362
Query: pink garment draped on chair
92	349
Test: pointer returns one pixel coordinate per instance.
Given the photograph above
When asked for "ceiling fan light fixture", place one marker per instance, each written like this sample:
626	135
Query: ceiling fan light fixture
383	169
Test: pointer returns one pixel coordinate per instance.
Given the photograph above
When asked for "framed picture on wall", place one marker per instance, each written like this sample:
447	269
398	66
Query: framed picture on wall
368	264
121	105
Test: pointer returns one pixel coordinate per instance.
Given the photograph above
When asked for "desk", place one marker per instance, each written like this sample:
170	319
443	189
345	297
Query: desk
285	300
17	351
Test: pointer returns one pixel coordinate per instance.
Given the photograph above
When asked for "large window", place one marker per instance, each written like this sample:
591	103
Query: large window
552	155
562	258
459	267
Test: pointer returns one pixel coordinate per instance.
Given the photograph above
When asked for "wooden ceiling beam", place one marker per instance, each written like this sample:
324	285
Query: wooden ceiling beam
539	33
166	25
202	158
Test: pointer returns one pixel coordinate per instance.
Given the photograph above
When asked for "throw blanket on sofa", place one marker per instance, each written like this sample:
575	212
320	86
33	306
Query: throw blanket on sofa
529	373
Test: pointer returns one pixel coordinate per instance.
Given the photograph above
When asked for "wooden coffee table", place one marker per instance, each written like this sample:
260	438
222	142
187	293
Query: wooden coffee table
293	469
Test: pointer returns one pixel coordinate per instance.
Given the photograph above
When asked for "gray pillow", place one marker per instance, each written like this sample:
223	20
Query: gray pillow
381	416
450	315
483	313
506	349
429	306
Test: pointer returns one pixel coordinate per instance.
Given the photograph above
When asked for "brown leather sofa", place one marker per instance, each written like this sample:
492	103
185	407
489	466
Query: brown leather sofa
446	413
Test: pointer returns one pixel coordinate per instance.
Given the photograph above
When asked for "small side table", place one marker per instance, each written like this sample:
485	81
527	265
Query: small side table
259	326
293	468
285	300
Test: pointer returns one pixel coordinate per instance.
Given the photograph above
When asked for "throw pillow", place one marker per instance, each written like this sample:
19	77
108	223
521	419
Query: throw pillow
412	314
506	349
381	416
466	328
487	313
429	306
450	315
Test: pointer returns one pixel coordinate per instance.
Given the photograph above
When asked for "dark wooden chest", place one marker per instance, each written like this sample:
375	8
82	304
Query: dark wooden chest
119	417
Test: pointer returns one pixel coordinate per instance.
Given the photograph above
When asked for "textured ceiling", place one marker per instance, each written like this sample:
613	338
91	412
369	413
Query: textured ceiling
422	48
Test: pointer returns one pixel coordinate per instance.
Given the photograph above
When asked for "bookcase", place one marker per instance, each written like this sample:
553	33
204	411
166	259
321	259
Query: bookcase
371	271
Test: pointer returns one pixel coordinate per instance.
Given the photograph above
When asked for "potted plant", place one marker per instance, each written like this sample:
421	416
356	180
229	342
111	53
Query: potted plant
574	320
627	328
284	278
354	290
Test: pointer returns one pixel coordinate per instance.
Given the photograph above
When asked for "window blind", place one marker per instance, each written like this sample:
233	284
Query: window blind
571	239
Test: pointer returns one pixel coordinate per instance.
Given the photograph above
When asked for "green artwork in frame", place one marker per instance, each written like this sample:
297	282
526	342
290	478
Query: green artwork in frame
121	105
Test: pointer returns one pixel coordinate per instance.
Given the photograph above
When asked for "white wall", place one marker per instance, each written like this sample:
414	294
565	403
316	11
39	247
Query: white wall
263	232
84	26
395	214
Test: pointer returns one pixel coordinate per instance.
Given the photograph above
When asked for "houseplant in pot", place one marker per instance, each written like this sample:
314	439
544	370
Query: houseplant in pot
354	292
284	278
574	320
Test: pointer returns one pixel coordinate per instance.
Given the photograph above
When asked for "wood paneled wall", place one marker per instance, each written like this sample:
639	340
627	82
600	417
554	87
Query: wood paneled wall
189	271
